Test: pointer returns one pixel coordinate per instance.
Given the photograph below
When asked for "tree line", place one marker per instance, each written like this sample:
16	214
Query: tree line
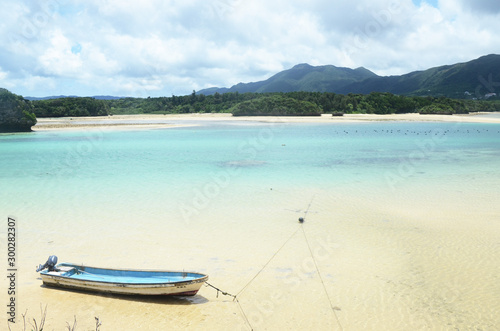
71	106
281	104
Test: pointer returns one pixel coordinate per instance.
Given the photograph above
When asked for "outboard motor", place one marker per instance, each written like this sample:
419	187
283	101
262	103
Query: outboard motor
50	264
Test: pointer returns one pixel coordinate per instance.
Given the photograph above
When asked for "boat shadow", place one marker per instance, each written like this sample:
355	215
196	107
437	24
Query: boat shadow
153	299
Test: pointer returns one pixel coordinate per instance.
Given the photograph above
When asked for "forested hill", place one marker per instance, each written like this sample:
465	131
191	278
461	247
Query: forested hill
302	77
16	113
473	79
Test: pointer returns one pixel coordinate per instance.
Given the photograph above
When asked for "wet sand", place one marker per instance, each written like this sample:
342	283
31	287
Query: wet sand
414	263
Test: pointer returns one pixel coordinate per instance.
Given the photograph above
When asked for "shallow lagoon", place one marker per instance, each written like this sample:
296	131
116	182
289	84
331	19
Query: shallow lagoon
402	216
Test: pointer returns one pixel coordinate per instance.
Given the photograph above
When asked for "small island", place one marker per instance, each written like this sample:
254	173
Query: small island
16	113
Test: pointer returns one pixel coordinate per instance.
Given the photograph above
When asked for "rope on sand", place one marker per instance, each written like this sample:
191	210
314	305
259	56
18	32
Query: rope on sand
276	253
235	297
322	282
316	265
265	265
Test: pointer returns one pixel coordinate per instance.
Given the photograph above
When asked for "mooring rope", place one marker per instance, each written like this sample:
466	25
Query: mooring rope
244	315
235	297
319	273
309	206
219	290
265	265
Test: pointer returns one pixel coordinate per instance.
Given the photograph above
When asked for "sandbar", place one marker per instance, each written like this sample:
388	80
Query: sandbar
177	120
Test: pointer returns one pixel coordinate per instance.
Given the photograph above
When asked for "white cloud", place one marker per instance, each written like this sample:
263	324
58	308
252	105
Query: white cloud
162	47
3	75
58	60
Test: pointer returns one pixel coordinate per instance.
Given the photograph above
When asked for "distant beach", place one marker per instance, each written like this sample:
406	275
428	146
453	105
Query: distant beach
166	121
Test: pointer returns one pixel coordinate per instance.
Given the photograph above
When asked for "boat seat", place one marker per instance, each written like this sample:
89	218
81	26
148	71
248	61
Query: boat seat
61	270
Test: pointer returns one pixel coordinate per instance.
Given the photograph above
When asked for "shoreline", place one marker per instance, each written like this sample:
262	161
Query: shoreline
140	121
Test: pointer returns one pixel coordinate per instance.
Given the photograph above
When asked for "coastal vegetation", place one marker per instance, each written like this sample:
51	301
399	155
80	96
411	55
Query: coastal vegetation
71	106
16	113
278	104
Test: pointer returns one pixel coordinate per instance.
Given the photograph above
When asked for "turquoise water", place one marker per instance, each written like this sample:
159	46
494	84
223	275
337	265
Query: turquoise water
157	170
403	218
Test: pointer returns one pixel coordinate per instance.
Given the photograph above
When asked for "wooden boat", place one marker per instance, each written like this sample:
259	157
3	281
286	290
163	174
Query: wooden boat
123	281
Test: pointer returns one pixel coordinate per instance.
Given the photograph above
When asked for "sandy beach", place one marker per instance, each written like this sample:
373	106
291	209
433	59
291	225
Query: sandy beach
407	265
366	257
165	121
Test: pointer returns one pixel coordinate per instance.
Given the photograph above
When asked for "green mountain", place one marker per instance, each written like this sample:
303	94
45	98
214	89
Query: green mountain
476	78
302	77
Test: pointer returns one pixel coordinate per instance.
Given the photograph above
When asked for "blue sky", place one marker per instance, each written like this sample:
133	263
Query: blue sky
433	3
159	48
